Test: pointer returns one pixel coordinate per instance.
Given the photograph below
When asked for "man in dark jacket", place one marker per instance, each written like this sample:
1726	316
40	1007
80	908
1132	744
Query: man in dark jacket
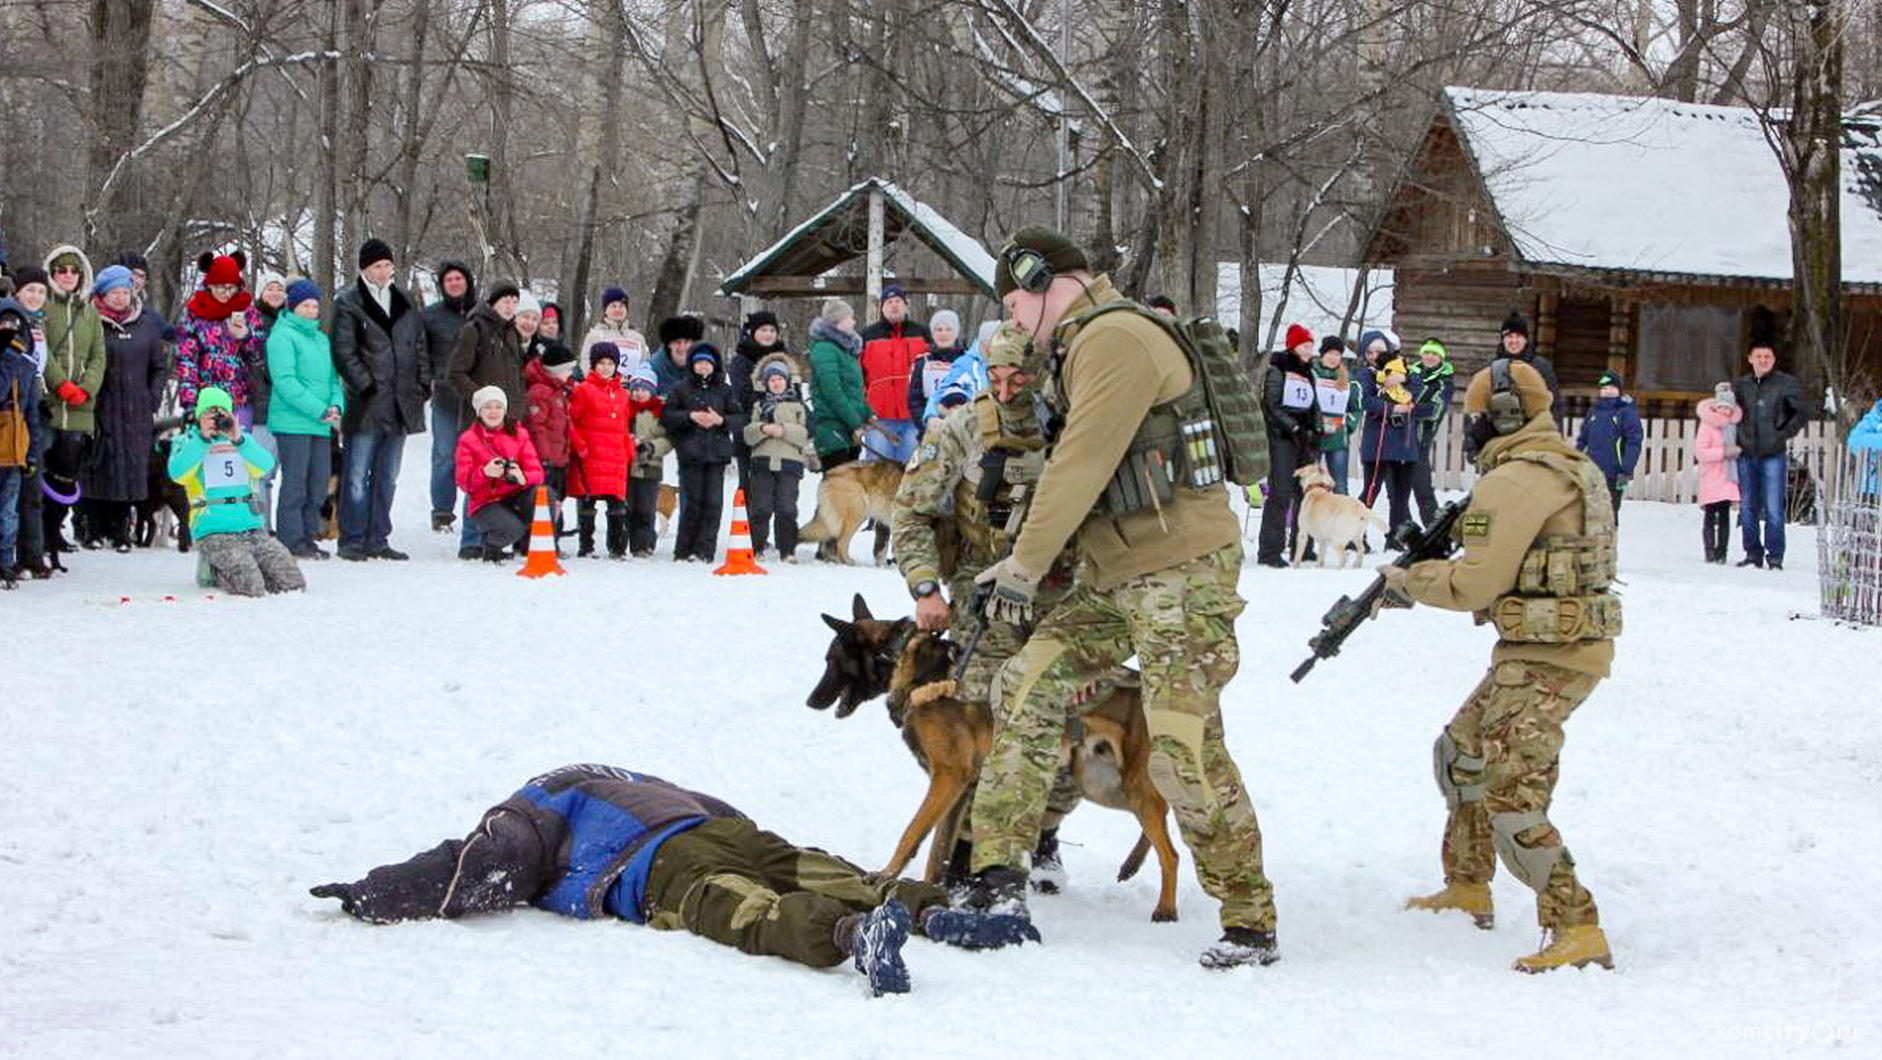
1773	403
488	352
379	348
1612	436
703	414
588	841
1288	401
443	319
1516	347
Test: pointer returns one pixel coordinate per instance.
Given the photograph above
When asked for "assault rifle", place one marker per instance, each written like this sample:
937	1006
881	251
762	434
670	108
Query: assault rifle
1414	546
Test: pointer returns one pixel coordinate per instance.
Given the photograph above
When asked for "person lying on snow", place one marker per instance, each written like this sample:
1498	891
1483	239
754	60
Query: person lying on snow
592	840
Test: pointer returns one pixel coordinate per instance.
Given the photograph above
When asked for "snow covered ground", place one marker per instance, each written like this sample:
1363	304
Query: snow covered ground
173	776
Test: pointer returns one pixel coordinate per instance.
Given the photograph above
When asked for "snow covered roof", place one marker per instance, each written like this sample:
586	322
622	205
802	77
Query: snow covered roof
1316	299
839	233
1652	185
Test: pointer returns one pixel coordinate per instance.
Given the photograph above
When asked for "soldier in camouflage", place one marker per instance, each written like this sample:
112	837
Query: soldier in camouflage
1538	563
1158	582
963	487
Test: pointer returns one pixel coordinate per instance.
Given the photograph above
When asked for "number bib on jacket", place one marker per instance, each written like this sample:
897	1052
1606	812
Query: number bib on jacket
224	467
1296	392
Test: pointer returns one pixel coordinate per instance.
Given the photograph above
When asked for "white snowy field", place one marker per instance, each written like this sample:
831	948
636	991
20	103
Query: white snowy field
174	776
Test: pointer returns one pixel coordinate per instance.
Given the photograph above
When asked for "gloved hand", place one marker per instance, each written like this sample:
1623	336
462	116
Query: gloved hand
1013	591
72	394
643	450
1395	595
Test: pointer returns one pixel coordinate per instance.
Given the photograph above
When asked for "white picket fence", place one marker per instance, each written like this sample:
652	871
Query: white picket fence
1666	472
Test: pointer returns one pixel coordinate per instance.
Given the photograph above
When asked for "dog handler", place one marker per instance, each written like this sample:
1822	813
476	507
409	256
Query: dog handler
590	840
1157	581
952	516
1538	564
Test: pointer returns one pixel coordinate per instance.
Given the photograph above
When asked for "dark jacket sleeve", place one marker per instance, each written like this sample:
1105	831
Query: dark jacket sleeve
1791	406
347	356
916	399
1278	422
1631	438
463	359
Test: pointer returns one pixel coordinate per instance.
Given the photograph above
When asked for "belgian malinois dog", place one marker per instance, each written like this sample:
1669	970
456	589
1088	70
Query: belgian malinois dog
846	496
1109	752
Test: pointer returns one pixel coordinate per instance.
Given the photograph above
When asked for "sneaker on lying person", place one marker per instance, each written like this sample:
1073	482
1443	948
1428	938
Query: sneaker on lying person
976	931
1240	946
876	948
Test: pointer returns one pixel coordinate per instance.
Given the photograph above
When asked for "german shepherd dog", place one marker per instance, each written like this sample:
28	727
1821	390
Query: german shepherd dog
1109	750
846	496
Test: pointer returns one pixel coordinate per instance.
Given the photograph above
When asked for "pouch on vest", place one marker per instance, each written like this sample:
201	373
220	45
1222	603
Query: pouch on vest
1556	619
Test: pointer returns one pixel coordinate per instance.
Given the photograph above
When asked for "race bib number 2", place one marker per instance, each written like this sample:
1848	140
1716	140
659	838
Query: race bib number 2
223	467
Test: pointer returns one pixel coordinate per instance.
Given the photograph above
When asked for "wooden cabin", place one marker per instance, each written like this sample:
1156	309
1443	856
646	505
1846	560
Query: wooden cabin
1646	235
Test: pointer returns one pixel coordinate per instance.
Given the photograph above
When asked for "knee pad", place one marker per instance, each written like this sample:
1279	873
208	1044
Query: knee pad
1452	767
1532	865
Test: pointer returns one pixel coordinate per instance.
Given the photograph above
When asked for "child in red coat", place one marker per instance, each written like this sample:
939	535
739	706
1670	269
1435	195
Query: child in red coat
599	434
551	385
498	470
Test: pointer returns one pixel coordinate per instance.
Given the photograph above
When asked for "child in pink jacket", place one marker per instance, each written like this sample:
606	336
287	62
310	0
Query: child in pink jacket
1716	449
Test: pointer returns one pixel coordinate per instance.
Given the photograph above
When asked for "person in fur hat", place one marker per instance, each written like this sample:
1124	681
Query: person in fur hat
678	336
778	438
1715	450
644	407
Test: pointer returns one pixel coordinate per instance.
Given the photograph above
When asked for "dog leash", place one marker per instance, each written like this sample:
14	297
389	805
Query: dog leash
45	487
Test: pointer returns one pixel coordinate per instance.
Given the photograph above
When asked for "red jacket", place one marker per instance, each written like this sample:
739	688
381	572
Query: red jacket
889	354
549	413
599	431
480	445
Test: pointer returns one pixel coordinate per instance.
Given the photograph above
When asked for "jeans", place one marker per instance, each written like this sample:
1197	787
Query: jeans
372	475
1337	464
306	463
1761	482
10	478
891	440
444	433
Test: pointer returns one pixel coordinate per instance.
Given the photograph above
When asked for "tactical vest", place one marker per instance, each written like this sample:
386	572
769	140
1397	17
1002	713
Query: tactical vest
1212	432
1562	593
990	500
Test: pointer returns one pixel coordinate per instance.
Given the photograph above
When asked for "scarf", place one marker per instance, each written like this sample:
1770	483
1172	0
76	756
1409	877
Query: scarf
204	305
116	317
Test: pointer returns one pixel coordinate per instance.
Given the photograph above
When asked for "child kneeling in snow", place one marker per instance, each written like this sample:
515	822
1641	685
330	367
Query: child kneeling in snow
498	471
221	469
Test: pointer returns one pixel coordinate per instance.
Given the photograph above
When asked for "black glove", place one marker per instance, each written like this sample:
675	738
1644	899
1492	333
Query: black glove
643	450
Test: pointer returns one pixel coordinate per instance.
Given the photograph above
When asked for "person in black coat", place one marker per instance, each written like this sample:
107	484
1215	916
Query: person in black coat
1515	347
703	412
137	365
1773	403
1288	402
443	319
379	348
759	339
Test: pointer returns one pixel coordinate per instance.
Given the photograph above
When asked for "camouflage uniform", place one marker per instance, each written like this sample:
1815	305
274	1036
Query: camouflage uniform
1159	584
943	532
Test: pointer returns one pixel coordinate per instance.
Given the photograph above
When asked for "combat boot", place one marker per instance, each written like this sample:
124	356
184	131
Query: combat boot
1000	891
1472	898
1240	946
1575	947
1048	872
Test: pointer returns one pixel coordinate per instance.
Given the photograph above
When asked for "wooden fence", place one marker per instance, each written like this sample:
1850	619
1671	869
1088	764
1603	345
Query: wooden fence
1666	472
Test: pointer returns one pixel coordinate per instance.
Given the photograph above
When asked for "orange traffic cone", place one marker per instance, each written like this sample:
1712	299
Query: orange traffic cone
738	557
542	558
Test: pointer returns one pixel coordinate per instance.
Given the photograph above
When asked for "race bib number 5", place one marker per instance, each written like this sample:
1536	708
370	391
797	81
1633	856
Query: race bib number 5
223	467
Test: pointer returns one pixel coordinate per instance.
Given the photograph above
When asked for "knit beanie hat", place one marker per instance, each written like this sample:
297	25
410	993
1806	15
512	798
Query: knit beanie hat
301	290
501	290
1332	344
558	356
602	351
703	353
487	394
28	274
222	270
552	309
1514	324
1296	334
946	318
214	397
526	303
372	252
112	278
776	368
1436	347
893	291
613	295
643	377
762	318
1724	394
1610	378
834	310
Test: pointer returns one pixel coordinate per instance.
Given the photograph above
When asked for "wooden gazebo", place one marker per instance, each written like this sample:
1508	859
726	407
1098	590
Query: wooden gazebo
864	222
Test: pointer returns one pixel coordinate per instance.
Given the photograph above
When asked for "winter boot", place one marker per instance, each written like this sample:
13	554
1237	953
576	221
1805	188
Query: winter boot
8	581
876	947
442	522
1000	891
976	931
1048	872
1472	898
1239	946
617	536
1575	947
585	531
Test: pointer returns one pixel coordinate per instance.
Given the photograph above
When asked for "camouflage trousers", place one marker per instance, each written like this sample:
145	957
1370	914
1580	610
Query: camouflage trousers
251	563
1497	763
1180	623
1001	642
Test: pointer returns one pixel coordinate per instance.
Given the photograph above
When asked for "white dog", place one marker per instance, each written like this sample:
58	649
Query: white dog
1332	522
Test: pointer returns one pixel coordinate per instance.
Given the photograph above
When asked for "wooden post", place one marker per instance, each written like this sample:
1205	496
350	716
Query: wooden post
1546	302
872	282
1621	336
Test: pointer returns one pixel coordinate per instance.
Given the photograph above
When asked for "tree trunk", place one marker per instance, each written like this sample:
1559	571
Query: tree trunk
412	143
1815	144
327	171
120	67
598	147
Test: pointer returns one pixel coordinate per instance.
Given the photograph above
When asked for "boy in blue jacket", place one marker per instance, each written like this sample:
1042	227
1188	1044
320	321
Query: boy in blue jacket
221	469
1611	436
591	840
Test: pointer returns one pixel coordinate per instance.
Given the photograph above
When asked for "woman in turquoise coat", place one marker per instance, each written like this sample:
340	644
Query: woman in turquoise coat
306	405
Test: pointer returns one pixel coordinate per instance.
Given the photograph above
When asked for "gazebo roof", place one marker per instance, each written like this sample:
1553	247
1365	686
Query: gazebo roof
798	265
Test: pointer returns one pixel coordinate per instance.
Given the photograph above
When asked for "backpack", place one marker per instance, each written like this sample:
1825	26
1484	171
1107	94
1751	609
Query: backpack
1226	392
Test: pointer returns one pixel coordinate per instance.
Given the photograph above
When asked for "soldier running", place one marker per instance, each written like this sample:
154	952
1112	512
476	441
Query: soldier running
1157	579
952	513
1538	563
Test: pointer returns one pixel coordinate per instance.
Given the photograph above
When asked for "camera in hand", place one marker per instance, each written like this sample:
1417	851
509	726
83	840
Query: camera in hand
224	422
